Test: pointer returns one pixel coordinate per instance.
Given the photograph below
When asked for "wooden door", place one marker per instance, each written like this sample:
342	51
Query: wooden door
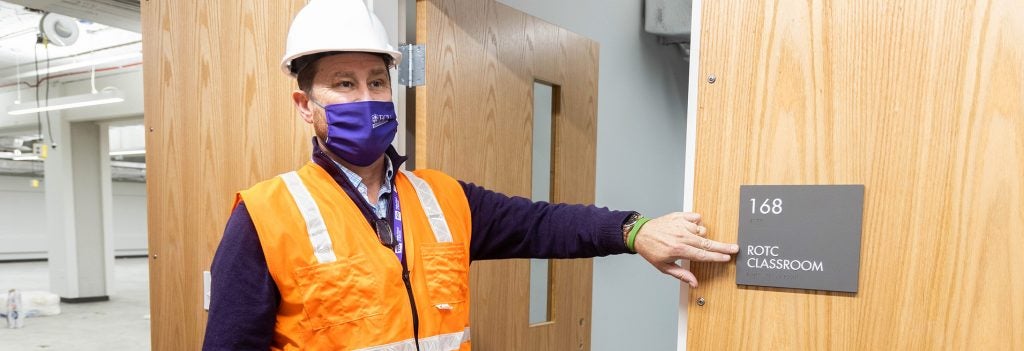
474	122
923	103
219	118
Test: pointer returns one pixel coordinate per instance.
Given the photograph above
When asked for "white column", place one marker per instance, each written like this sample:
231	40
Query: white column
78	203
391	14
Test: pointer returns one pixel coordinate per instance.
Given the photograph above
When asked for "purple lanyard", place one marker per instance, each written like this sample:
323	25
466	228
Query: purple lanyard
397	226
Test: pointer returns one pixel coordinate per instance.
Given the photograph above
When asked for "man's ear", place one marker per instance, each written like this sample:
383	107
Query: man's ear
302	105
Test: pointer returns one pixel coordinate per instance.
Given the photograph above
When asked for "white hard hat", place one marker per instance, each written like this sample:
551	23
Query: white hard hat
335	25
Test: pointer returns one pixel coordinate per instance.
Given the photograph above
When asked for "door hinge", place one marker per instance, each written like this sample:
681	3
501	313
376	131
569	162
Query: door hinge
411	71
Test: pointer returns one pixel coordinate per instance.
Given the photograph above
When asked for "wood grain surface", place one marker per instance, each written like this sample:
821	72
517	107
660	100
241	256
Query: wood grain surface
474	122
219	119
923	103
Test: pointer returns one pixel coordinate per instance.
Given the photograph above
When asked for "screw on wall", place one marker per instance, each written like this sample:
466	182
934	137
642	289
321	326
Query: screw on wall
712	79
700	301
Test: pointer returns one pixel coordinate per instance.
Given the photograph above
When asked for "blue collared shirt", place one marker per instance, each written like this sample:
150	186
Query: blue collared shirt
383	195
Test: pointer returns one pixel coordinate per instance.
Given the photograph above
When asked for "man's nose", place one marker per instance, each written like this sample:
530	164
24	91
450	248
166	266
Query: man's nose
364	93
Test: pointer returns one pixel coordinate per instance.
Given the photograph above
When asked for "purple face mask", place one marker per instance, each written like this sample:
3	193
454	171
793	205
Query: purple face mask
359	132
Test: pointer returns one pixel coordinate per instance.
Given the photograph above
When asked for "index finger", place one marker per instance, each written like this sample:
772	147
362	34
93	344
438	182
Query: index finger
720	247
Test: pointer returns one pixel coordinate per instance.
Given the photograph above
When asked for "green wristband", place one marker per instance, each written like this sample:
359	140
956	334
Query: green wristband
632	233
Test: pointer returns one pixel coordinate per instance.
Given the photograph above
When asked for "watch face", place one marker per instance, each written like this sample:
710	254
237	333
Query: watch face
633	218
630	221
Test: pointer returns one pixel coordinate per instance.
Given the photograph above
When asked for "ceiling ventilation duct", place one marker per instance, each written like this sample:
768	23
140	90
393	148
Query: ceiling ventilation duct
124	14
58	29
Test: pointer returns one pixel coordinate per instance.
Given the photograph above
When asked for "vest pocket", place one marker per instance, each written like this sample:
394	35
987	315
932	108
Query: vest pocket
447	273
338	292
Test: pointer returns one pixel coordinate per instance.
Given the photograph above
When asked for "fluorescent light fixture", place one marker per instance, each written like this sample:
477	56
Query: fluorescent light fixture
106	96
132	165
28	157
128	153
16	155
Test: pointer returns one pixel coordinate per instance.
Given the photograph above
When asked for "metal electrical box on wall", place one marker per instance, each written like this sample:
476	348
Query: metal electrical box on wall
668	19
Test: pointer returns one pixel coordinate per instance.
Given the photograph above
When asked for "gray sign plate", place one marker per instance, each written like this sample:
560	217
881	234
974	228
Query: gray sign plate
800	236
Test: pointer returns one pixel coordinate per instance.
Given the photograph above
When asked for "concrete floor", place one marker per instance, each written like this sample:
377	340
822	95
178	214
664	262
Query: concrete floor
119	324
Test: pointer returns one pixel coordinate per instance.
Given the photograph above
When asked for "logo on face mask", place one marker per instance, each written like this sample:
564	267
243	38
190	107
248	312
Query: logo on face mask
379	119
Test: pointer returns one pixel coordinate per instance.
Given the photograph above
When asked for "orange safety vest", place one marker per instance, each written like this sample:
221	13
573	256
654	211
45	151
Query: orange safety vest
340	288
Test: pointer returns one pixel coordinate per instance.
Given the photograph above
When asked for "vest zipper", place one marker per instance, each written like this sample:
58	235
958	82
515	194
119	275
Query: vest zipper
412	301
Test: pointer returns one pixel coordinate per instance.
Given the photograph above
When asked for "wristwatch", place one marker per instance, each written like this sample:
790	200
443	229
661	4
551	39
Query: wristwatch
628	225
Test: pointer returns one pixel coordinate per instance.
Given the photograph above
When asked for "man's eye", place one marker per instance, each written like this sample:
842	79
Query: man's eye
344	84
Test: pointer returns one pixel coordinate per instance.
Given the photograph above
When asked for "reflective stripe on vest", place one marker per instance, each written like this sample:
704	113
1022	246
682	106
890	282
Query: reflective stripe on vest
322	247
443	342
430	206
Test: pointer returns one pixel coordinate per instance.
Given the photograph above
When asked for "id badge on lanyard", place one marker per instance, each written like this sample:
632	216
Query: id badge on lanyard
397	226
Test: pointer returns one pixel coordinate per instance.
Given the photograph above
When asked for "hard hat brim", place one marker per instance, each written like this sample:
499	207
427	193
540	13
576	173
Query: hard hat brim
286	63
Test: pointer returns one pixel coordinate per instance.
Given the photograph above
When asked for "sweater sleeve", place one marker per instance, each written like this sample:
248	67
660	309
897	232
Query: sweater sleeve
516	227
243	296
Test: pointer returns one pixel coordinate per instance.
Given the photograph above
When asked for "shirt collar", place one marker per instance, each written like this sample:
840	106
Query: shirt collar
357	181
395	161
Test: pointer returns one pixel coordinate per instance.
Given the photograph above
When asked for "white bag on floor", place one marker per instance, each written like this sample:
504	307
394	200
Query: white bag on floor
35	303
15	319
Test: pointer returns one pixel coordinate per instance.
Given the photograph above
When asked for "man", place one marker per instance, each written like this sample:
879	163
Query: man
350	252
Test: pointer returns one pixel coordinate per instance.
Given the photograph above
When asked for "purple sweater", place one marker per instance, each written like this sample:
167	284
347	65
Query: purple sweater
244	297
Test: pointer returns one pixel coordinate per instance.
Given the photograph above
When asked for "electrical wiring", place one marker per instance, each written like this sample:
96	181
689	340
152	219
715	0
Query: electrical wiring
86	53
89	53
49	129
39	122
42	98
104	69
17	68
